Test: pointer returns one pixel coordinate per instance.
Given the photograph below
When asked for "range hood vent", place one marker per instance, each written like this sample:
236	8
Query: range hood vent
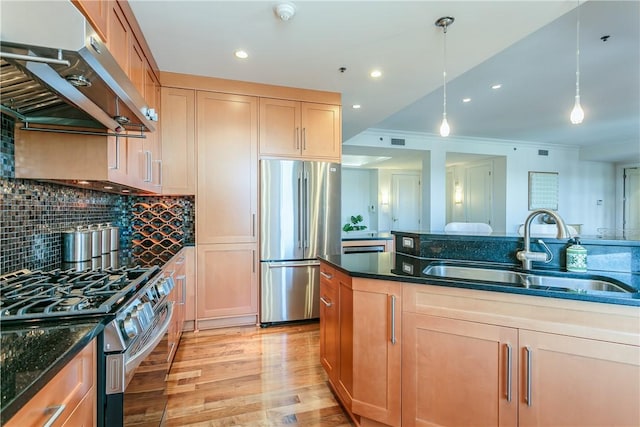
60	73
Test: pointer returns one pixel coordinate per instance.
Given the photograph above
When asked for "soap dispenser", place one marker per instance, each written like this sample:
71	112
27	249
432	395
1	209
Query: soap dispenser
576	256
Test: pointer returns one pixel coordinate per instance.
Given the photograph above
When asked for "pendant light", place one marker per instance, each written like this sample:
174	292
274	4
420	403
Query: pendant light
577	114
444	23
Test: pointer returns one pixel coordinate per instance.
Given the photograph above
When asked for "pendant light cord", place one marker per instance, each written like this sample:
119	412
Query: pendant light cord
444	74
578	53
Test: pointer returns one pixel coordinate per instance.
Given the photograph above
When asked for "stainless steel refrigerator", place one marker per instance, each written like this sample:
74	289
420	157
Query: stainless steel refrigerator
299	220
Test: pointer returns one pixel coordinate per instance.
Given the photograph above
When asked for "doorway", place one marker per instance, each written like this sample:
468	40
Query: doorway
406	201
631	203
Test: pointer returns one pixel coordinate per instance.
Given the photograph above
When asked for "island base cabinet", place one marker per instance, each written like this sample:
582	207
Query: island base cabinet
377	314
458	373
329	323
570	381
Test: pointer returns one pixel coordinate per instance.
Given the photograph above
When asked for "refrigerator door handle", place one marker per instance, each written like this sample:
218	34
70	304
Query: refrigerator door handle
292	264
307	224
300	229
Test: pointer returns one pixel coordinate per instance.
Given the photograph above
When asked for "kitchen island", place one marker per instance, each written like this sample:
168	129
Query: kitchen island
413	348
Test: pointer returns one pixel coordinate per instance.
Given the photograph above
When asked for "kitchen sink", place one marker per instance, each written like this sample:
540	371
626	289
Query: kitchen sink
528	280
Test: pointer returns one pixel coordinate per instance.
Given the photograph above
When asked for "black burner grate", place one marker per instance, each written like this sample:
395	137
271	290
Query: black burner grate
35	295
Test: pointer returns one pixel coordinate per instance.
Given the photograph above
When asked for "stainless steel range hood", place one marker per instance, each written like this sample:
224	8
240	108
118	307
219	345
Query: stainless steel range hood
54	69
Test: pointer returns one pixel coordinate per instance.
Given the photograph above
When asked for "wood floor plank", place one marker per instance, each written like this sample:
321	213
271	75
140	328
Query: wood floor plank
249	376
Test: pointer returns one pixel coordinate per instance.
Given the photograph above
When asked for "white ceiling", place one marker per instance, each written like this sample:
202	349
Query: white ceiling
528	46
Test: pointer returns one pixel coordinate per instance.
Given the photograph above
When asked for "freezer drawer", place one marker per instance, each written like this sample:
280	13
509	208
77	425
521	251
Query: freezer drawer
289	290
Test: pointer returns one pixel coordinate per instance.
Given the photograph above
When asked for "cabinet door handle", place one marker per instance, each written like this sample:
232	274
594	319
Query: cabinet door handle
117	148
57	411
183	280
253	259
304	138
529	354
393	319
509	361
326	275
327	303
297	136
148	173
253	225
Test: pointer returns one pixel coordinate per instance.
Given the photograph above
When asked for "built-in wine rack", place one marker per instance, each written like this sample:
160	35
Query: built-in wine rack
157	231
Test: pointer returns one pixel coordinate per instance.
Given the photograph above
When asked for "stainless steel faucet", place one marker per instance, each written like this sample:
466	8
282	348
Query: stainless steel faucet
525	255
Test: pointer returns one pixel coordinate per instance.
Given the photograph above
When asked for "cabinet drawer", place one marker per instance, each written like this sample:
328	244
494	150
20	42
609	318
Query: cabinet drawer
68	388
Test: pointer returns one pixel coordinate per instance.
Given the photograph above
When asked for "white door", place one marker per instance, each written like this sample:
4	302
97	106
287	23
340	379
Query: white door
406	202
632	203
478	194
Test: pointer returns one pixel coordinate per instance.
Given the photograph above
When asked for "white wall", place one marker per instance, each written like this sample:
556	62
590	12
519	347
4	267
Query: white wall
582	183
359	192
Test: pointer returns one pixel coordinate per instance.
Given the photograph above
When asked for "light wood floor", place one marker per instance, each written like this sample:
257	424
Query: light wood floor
250	376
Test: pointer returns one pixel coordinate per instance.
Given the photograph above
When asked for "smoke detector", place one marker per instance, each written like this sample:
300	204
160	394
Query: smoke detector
285	10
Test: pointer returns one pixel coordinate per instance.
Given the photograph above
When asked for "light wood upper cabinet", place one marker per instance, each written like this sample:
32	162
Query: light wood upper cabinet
296	129
227	281
97	12
377	354
571	381
119	160
458	373
178	141
321	131
119	36
227	146
137	68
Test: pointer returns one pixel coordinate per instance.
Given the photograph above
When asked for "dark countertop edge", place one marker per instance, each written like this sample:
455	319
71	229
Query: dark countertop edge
436	281
588	240
12	407
376	236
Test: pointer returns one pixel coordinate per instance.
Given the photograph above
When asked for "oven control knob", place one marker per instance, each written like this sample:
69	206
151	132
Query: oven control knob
141	316
147	310
129	327
164	288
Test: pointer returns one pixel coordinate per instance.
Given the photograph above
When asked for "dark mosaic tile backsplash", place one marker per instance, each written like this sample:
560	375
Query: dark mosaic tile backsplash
33	214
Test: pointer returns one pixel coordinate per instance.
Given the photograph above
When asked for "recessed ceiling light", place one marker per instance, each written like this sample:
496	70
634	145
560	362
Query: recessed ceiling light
83	182
241	54
356	106
496	86
466	100
376	74
126	191
108	187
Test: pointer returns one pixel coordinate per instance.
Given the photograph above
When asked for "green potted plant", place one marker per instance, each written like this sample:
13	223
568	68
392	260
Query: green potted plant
353	225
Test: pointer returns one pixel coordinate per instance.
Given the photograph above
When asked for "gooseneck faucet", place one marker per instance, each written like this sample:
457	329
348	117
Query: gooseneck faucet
526	256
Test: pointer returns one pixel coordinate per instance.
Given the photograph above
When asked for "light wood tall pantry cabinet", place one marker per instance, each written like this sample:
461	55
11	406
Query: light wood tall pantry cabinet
295	129
226	208
227	200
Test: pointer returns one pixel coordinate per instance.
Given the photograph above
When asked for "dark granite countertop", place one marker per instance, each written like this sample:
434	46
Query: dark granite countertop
363	235
406	268
32	353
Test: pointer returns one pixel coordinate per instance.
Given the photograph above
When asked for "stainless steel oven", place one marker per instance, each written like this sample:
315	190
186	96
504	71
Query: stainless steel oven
136	358
133	358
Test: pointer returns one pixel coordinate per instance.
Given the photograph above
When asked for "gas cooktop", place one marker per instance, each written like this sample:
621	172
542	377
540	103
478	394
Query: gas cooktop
29	294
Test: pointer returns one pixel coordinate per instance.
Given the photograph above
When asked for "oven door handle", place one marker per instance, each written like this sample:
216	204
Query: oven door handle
135	361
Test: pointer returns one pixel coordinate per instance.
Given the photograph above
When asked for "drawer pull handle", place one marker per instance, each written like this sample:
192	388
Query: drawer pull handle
509	361
327	303
393	319
529	378
57	411
326	275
